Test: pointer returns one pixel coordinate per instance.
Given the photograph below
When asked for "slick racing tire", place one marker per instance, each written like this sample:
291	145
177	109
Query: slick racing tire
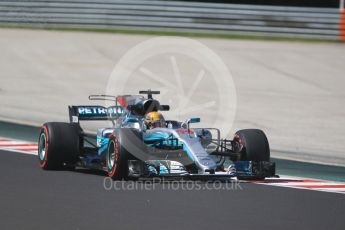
117	156
252	144
58	144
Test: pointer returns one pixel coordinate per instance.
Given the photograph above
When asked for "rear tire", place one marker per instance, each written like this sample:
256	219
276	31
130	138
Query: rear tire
252	144
58	144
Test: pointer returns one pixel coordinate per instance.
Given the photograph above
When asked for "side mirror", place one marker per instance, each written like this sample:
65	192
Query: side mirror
194	120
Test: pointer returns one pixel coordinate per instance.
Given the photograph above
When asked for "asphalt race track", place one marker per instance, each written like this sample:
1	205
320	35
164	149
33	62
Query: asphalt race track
34	199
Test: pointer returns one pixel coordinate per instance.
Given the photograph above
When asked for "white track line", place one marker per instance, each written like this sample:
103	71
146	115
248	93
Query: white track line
308	184
18	146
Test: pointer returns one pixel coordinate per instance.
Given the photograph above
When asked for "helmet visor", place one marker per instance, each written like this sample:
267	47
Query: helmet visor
155	124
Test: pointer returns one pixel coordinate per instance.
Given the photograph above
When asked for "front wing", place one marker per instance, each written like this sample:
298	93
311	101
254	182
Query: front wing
173	169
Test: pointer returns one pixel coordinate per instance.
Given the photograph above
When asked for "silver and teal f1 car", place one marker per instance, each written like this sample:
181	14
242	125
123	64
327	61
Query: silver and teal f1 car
128	150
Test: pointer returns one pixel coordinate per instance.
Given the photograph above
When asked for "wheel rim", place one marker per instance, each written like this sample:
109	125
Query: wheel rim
112	155
42	146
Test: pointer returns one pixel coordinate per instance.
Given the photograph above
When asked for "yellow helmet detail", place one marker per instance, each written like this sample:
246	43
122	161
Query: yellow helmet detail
154	120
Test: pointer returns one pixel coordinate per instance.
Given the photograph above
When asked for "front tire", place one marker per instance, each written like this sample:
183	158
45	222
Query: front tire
252	144
58	144
113	159
117	155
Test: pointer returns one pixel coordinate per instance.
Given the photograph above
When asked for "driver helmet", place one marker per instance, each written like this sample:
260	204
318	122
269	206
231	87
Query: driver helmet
154	120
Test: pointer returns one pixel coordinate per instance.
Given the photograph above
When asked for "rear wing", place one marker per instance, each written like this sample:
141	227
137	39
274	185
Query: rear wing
94	113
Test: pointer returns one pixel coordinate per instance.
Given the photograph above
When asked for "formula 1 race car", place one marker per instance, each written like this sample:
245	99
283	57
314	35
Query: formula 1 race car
131	150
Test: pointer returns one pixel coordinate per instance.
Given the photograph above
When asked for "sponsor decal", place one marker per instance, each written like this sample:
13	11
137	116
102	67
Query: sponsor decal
185	131
99	111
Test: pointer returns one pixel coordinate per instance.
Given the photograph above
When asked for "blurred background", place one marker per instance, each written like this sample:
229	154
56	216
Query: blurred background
287	18
286	58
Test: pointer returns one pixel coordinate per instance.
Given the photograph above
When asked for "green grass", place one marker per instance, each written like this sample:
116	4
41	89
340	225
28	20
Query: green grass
309	170
215	35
